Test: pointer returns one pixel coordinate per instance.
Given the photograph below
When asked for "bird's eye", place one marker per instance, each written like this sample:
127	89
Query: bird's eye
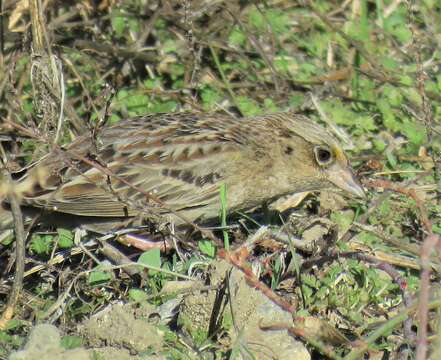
323	155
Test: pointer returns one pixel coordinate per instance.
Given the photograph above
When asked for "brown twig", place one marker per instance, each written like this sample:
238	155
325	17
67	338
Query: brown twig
236	259
114	51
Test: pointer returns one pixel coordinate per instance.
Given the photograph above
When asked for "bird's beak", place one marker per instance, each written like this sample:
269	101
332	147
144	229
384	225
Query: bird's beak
345	180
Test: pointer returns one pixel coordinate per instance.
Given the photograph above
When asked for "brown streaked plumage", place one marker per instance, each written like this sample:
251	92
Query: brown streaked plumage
182	158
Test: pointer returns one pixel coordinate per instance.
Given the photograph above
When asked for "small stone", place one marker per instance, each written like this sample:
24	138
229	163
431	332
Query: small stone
44	343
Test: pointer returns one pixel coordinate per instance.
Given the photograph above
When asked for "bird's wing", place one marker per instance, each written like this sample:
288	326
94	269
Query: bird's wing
178	163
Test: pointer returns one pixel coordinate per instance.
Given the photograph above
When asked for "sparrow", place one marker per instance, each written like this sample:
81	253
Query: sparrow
173	166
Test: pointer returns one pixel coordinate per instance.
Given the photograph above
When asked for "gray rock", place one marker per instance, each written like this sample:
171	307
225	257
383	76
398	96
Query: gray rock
44	343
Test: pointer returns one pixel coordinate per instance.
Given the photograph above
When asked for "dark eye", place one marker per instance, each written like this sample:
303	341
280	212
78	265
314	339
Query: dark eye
323	155
288	150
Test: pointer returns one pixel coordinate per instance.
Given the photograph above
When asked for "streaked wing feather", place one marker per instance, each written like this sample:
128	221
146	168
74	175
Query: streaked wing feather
158	154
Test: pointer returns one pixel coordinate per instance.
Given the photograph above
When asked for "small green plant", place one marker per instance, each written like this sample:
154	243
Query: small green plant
65	238
223	215
99	276
151	258
207	247
276	272
138	295
71	342
41	244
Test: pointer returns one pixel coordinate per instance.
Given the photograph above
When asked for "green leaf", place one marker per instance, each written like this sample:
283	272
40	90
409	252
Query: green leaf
275	277
391	158
366	123
341	114
153	84
134	25
41	244
223	214
28	106
384	209
278	20
359	28
13	324
306	71
397	25
210	97
163	107
296	100
367	238
310	280
413	95
380	11
364	27
176	70
118	23
270	106
389	119
134	101
379	144
286	64
416	133
137	102
138	295
438	82
406	80
71	342
151	258
65	238
8	342
394	96
237	37
402	33
343	220
8	239
389	63
207	247
98	276
114	118
169	46
248	106
256	19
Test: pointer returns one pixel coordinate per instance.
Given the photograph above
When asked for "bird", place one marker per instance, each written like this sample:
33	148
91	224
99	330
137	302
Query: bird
172	166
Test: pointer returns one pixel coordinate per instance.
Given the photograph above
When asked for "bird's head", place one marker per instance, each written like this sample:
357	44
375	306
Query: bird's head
307	157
